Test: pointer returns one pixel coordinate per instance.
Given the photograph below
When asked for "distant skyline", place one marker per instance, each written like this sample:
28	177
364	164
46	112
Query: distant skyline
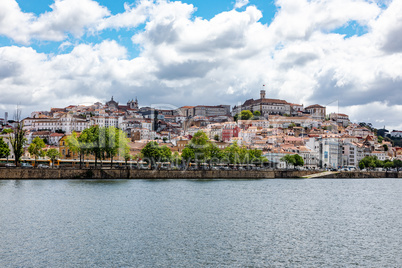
344	54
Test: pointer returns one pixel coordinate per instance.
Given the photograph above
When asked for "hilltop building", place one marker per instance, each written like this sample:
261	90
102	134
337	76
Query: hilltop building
316	111
112	105
266	106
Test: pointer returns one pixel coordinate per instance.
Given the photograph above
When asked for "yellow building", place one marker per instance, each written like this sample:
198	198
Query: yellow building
64	151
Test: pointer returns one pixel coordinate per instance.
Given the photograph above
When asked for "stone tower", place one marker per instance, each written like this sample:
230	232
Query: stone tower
133	104
262	94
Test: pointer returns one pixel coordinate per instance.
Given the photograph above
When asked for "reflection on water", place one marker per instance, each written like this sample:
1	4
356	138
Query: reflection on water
98	181
187	223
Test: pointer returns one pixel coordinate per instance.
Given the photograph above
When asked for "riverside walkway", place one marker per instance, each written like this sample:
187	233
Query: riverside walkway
320	175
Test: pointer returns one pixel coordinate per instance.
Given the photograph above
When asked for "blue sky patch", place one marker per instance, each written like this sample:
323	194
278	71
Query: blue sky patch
353	28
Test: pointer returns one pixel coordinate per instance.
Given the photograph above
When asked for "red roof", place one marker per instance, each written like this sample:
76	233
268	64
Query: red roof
56	135
314	106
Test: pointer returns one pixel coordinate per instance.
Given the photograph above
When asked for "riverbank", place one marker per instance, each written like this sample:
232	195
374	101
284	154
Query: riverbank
22	173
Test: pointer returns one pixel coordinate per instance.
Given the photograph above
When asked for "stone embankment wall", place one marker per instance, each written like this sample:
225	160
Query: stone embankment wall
363	174
20	173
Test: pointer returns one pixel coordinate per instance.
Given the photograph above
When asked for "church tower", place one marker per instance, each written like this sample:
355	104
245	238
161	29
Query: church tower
133	104
262	94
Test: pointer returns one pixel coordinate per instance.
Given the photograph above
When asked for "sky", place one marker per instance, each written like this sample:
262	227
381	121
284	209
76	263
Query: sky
343	54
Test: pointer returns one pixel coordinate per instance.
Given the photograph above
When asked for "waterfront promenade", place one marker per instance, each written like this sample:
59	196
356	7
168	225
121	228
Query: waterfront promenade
21	173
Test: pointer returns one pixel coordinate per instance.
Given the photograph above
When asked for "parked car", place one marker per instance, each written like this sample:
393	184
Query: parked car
26	165
10	165
43	166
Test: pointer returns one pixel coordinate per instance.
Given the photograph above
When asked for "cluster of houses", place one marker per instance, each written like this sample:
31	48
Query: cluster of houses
281	128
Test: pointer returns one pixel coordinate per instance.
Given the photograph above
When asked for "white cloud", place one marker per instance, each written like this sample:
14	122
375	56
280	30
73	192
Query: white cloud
131	17
190	60
378	113
67	16
241	3
388	28
13	22
71	16
298	19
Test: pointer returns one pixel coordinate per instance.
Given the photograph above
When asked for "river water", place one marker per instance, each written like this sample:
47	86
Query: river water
201	223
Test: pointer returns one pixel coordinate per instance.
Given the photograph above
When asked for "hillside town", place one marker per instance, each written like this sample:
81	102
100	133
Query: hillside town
273	126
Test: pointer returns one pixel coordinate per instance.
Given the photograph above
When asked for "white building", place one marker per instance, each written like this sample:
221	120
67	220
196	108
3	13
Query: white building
264	106
66	123
396	134
349	154
381	155
248	135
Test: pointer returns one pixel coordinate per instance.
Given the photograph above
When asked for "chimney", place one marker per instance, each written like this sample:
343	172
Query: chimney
262	94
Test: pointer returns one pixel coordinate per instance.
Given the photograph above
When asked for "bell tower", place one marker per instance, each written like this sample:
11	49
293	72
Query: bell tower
262	94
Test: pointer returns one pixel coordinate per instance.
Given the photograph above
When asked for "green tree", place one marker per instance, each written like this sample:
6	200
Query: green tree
362	165
246	115
7	131
236	117
17	137
197	148
298	160
188	154
288	159
122	143
155	153
151	150
370	162
115	143
256	114
385	147
176	158
4	150
378	163
75	146
216	137
126	155
380	139
93	143
83	143
232	153
36	148
165	153
53	154
388	164
200	139
397	164
369	126
213	153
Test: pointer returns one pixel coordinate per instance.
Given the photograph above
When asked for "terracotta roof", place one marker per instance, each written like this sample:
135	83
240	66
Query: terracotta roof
37	133
368	138
56	135
314	106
